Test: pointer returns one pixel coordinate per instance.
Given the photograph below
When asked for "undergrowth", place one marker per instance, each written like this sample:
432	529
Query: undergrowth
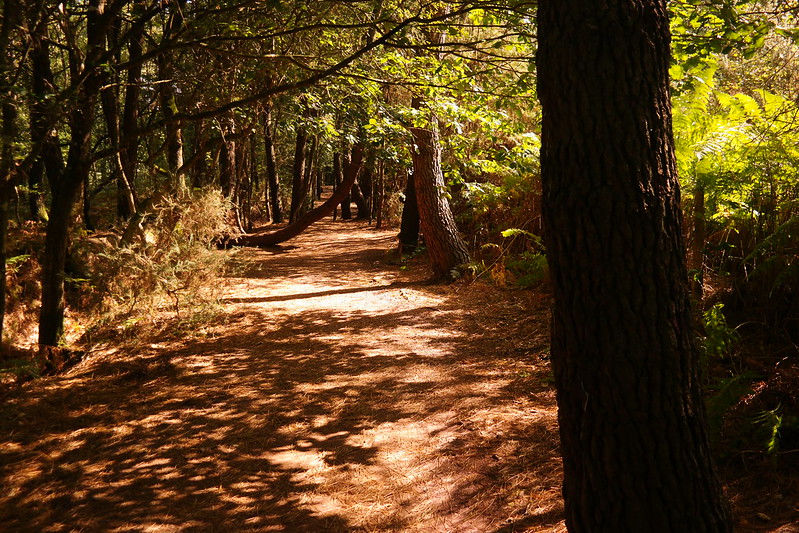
172	267
168	275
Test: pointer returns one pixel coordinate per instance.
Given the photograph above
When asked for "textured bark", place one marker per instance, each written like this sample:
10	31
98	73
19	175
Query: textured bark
632	421
446	248
409	224
126	199
304	221
338	176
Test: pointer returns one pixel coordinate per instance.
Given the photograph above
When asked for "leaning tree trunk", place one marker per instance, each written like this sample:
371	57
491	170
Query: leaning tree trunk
304	221
446	248
632	420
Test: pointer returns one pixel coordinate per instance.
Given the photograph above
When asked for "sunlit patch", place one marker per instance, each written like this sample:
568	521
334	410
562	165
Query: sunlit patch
334	396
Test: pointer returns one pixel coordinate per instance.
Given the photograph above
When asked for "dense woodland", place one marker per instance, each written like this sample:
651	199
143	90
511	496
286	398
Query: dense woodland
516	143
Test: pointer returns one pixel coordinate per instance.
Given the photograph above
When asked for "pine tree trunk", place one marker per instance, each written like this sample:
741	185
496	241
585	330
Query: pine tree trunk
631	414
446	248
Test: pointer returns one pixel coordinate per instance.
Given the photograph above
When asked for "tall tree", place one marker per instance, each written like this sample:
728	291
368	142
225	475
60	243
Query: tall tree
632	420
447	249
87	70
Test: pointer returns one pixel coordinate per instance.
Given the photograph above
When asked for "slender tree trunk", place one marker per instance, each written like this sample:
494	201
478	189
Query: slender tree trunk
346	202
297	188
168	98
50	160
698	234
360	202
200	167
447	249
8	114
130	117
66	190
309	175
337	178
632	421
378	193
109	99
273	183
409	223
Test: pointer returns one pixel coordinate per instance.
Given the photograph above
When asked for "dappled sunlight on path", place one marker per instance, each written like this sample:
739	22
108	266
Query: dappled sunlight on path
335	393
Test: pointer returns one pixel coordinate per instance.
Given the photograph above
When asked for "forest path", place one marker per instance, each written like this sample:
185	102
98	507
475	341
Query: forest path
336	393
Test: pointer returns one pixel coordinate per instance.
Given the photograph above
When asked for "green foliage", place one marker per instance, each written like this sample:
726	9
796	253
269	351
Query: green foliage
769	424
20	369
724	394
719	338
530	268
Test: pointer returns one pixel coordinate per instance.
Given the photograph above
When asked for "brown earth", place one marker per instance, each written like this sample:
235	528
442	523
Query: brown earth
335	392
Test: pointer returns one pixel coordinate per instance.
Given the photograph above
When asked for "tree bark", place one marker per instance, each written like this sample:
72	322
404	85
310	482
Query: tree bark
42	84
346	202
67	188
271	169
298	190
360	202
130	118
168	98
304	221
409	223
446	248
632	421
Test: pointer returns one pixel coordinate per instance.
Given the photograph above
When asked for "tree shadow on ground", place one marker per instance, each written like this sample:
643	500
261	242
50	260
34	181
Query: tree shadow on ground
408	417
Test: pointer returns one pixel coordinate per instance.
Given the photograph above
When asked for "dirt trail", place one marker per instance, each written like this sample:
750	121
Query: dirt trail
335	393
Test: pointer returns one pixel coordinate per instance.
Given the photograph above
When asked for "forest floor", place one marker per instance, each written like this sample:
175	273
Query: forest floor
334	392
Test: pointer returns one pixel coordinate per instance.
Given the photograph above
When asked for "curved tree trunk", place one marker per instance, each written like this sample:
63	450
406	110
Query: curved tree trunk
447	249
302	222
632	419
